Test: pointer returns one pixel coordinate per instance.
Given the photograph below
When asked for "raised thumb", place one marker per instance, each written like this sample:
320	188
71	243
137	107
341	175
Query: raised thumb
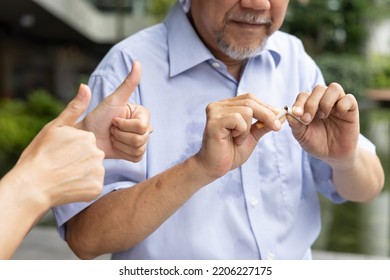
75	108
122	94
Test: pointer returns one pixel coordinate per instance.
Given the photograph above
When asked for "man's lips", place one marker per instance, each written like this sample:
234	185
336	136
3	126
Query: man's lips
259	22
250	25
246	23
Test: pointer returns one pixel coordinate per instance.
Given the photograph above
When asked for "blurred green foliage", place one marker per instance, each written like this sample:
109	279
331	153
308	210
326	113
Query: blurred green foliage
334	32
336	26
21	120
380	69
160	8
348	70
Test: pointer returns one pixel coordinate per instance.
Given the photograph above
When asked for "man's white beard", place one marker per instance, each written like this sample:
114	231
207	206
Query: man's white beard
239	53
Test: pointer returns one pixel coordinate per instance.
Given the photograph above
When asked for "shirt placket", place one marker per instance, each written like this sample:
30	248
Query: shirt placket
257	207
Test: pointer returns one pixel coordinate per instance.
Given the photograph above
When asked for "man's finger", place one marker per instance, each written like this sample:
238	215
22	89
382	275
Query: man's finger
75	108
124	91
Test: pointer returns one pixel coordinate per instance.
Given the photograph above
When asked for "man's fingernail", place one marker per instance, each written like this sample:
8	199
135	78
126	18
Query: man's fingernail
297	110
306	118
321	115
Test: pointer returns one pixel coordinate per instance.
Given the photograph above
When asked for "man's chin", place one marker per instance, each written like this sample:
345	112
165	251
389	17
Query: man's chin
243	53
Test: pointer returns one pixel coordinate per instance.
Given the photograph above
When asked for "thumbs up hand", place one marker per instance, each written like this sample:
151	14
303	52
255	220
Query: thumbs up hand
122	130
62	164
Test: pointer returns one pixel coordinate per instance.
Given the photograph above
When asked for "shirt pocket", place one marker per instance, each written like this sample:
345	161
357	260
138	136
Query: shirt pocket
280	168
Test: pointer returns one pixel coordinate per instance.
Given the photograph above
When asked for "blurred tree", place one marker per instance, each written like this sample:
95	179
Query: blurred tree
333	25
348	70
334	32
20	121
380	77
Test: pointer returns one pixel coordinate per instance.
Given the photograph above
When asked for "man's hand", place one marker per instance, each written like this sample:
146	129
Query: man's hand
122	130
230	135
333	129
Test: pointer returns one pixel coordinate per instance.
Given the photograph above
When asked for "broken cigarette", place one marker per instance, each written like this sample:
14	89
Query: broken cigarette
290	113
281	114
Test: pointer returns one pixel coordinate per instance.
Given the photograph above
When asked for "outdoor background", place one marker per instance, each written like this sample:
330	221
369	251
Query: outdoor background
48	47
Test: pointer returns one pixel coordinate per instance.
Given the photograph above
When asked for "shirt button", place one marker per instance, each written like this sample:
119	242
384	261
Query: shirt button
270	256
254	202
216	64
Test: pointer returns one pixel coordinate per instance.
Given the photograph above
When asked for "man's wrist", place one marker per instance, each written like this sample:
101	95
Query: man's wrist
198	173
346	165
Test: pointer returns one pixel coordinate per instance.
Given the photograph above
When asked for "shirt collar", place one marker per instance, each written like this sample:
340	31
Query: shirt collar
273	49
186	50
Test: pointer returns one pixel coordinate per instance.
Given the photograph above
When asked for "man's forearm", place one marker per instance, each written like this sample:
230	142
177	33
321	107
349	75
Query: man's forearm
360	180
123	218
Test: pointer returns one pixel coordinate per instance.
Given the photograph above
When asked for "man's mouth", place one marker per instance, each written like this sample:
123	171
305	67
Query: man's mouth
249	20
247	23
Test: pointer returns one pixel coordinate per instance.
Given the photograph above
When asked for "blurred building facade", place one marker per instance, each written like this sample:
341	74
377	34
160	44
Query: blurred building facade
55	44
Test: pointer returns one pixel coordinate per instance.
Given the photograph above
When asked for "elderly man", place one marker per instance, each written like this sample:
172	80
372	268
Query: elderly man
236	182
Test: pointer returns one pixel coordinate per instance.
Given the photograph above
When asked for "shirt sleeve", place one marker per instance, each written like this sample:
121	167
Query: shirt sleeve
120	174
65	212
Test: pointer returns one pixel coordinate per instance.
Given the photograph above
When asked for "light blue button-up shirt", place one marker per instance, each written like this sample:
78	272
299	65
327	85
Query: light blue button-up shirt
268	207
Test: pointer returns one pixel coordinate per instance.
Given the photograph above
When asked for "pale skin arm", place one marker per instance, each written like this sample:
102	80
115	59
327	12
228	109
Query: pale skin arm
62	164
20	210
332	136
130	215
